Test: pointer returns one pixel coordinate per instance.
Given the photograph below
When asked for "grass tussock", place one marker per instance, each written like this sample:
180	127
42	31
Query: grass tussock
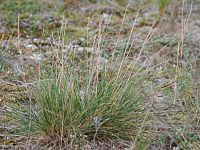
71	107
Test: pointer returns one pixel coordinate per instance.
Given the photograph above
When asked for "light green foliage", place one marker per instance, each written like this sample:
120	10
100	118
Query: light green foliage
19	6
25	8
162	4
26	12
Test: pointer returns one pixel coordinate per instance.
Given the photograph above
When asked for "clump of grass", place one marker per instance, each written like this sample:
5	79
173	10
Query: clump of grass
97	103
74	106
